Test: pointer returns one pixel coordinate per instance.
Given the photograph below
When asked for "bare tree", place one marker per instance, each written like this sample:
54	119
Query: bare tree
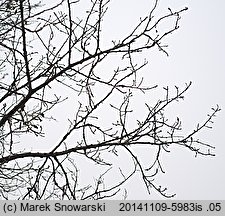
52	58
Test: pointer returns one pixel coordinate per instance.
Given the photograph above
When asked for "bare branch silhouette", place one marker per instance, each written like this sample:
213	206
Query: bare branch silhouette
50	57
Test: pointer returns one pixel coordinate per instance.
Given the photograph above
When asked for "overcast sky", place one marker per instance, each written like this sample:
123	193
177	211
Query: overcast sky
197	52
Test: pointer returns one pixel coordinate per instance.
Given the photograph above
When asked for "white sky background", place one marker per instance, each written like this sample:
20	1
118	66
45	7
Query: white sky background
196	53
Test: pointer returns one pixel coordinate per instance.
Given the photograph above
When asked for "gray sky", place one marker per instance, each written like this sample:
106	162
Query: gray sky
197	52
